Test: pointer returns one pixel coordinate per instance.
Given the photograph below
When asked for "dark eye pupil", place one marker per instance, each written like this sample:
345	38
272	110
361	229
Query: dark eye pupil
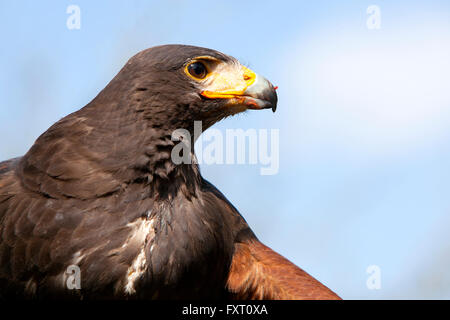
197	69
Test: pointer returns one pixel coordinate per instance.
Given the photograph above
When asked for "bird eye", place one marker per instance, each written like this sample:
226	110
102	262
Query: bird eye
197	70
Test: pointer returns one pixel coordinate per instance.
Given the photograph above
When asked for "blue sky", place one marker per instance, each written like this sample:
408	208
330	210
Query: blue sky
364	119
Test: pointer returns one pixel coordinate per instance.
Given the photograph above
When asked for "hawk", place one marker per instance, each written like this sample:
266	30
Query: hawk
99	193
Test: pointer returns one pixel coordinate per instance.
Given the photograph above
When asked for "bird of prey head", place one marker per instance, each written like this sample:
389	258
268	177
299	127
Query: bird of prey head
178	84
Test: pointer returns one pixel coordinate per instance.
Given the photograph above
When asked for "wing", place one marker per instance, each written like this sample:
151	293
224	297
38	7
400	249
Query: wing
257	272
41	236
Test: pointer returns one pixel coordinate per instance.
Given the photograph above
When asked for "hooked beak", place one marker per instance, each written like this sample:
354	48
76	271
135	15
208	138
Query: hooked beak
260	95
242	88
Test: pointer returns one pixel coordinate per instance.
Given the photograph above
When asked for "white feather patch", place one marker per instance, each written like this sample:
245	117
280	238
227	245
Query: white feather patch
142	231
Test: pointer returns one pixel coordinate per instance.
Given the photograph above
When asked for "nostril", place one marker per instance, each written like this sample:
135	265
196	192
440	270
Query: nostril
246	78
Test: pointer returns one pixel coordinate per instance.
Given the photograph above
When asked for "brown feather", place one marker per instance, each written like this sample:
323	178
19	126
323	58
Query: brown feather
257	272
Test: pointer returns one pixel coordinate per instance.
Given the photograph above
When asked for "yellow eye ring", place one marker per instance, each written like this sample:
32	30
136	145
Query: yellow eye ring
197	70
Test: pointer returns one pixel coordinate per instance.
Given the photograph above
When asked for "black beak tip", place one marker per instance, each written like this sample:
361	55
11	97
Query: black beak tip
273	98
